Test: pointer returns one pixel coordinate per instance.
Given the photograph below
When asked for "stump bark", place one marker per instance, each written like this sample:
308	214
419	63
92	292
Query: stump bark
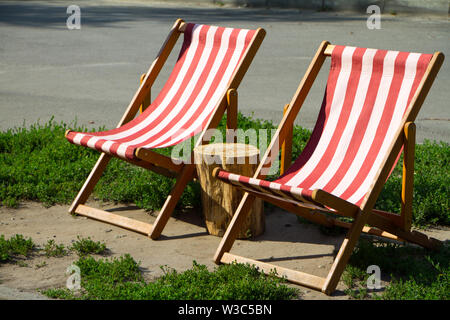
220	200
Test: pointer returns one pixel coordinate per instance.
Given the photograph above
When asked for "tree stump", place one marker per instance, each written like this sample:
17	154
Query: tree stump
220	200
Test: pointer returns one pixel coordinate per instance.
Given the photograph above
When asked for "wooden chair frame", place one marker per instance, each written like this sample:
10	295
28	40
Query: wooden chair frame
156	162
380	223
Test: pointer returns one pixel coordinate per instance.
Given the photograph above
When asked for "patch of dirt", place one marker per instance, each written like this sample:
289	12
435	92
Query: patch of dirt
285	243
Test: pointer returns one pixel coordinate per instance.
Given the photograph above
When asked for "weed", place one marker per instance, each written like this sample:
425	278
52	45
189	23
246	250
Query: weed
41	265
22	264
37	163
414	272
85	246
15	246
52	249
120	278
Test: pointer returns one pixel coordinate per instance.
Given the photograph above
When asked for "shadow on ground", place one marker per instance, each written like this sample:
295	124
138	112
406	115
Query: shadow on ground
43	15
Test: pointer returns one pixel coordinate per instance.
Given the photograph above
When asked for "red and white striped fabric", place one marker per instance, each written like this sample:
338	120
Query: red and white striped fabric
367	94
207	62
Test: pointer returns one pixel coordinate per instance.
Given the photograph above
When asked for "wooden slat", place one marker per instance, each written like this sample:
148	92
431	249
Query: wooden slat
369	230
410	236
147	99
345	252
408	174
186	175
182	27
395	218
329	50
149	166
304	210
298	277
158	159
232	113
90	182
286	147
114	219
249	54
342	206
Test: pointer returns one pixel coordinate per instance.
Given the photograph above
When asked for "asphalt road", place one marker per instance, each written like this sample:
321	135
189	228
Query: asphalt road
89	75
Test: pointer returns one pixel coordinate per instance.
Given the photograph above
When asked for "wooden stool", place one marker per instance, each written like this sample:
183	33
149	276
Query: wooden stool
220	200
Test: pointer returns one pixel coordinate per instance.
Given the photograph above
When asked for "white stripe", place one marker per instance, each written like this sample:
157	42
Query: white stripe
400	107
374	121
255	184
233	177
184	96
297	193
106	146
77	138
276	188
336	107
347	135
177	128
91	142
217	95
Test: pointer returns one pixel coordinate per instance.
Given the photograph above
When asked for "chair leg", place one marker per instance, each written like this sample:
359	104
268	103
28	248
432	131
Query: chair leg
186	175
344	254
90	182
235	225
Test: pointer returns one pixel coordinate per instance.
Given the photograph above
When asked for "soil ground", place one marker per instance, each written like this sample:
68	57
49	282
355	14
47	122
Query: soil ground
285	242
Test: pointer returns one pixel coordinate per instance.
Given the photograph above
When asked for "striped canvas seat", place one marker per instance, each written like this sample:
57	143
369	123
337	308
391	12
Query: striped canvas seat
205	66
367	94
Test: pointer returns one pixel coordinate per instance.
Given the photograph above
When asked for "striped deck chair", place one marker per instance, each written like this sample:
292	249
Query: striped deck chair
367	117
202	86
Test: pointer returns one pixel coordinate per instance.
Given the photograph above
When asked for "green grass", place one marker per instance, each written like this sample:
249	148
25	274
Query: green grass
37	163
121	278
413	273
52	249
14	247
18	246
85	246
409	272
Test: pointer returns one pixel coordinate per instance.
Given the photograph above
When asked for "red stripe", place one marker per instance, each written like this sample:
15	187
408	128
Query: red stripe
248	39
181	59
218	77
421	67
195	92
372	153
177	96
362	122
344	116
161	96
